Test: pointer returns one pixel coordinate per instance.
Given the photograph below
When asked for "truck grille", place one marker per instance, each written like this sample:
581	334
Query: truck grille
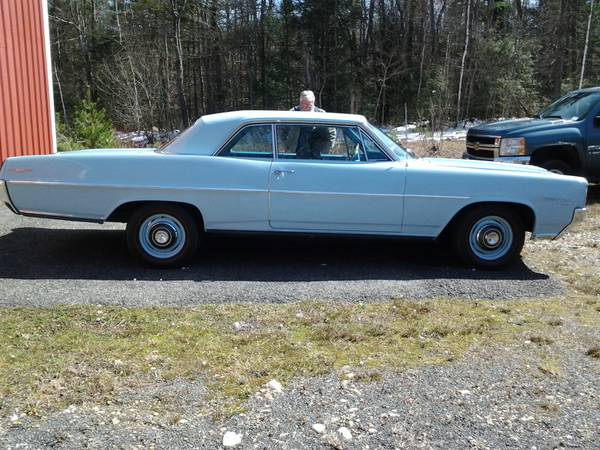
483	146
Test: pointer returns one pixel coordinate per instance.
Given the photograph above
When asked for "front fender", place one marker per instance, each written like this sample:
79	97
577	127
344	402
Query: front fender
562	137
436	194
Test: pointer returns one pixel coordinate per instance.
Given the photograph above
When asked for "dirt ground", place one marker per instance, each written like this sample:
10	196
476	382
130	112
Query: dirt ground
428	148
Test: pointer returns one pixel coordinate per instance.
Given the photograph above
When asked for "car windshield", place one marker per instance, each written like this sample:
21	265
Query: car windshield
390	145
574	106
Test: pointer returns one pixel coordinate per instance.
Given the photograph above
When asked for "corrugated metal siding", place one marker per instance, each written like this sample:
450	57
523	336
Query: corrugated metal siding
26	122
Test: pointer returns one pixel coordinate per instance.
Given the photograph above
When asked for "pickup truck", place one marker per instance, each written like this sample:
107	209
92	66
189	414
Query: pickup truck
564	138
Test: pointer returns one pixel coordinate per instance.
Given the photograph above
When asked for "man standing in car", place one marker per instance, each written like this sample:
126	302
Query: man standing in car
307	103
311	141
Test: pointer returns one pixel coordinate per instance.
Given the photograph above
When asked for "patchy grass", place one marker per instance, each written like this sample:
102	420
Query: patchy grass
550	367
594	352
574	257
55	357
541	340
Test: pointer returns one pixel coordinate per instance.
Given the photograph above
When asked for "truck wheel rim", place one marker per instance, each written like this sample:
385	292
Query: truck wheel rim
162	236
491	238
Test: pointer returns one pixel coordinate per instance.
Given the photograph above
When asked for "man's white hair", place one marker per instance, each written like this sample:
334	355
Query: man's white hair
308	95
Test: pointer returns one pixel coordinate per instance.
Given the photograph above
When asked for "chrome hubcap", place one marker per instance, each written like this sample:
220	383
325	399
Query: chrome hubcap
491	238
162	236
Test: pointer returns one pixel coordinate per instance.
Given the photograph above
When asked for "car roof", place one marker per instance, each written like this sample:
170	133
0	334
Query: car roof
209	132
254	115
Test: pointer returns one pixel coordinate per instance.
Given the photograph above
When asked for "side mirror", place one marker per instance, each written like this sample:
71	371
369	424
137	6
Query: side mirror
597	121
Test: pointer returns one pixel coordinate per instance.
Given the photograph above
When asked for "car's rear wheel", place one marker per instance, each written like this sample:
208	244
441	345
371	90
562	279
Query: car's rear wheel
557	166
162	235
489	237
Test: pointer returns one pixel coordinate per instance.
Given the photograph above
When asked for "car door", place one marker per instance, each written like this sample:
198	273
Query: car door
334	179
238	178
593	141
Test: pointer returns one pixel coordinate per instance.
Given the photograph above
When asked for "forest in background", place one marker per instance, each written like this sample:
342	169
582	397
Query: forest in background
164	63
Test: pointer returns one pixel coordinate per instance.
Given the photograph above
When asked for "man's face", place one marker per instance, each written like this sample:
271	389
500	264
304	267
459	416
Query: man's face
306	104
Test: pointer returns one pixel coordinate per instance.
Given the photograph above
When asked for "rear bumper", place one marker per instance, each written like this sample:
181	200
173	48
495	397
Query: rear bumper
504	159
5	197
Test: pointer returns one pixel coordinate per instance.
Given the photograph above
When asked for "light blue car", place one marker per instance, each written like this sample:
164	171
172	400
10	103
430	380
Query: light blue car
294	172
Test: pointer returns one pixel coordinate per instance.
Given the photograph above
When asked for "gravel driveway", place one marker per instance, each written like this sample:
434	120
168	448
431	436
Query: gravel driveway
74	263
500	397
491	401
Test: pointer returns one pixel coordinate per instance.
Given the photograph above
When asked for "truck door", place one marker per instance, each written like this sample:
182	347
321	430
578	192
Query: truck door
593	142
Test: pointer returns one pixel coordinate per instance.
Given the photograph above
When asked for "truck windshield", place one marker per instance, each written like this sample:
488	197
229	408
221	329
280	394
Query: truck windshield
573	106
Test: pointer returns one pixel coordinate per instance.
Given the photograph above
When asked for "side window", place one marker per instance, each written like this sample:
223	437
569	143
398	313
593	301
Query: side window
374	153
319	142
254	141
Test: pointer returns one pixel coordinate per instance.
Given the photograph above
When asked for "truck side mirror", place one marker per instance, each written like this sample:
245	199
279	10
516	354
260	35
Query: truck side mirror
597	121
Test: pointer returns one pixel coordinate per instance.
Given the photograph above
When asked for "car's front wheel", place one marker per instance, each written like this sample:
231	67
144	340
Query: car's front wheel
489	237
162	235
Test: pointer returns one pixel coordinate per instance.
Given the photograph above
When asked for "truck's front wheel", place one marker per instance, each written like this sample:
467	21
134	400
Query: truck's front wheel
557	166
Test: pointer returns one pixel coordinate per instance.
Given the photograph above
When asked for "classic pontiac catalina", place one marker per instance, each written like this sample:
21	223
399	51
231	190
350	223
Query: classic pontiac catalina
294	172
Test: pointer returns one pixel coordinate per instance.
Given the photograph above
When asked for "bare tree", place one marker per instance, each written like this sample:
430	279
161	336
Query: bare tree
177	11
462	64
587	40
157	62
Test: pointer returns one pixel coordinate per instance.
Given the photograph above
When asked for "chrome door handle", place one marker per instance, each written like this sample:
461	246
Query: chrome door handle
279	173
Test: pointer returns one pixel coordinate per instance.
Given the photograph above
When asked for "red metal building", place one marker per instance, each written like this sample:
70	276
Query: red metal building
26	103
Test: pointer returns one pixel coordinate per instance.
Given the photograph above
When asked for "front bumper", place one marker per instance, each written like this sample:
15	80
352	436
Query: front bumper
504	159
5	197
578	217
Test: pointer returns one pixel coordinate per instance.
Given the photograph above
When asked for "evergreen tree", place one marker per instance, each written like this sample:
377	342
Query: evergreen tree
91	127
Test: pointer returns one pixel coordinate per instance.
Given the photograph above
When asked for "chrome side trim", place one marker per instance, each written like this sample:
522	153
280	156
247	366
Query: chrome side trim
361	194
454	197
45	215
122	186
274	142
340	194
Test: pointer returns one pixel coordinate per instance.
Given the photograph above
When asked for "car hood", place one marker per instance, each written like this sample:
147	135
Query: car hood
468	164
519	126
